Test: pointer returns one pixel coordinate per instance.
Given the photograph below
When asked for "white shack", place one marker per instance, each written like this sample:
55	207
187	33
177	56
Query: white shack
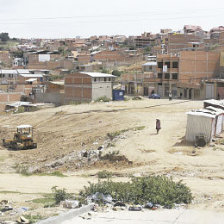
214	103
219	119
202	122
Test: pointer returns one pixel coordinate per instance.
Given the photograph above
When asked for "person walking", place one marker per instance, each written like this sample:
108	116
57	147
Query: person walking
170	96
158	125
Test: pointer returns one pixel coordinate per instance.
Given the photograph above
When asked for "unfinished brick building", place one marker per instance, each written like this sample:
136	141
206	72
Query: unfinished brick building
87	86
183	42
183	75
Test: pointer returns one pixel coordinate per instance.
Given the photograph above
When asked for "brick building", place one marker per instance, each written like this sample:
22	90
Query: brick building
181	42
6	98
88	86
184	75
145	40
108	56
5	59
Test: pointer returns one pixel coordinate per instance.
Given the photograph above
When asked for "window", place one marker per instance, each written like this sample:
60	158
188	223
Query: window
168	64
160	64
175	76
109	79
167	75
175	64
94	79
160	75
105	79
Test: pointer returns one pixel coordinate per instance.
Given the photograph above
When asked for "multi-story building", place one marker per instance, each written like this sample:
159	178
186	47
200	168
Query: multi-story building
184	74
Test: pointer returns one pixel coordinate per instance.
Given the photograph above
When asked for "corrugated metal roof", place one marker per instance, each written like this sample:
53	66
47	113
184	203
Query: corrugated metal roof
32	75
60	83
151	63
8	71
215	102
31	80
23	71
203	112
98	75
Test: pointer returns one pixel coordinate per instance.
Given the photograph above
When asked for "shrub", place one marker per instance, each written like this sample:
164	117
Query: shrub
20	110
156	189
59	194
33	218
105	71
136	98
104	174
102	99
116	73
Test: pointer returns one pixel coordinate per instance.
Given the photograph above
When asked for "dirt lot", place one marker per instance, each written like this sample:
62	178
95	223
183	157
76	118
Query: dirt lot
60	132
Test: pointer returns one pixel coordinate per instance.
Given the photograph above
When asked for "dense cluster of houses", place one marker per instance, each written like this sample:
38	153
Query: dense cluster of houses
188	63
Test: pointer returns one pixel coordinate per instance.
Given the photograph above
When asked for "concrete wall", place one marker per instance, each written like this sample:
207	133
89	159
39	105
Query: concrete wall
55	98
100	89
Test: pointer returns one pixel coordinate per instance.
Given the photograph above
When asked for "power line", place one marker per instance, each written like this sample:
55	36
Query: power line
148	14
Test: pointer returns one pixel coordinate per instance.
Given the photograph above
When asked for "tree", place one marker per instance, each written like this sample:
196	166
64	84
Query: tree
4	37
116	73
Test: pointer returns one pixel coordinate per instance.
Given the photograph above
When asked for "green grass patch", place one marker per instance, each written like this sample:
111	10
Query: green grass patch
103	99
55	173
113	135
47	201
139	128
104	174
9	192
24	171
156	189
33	218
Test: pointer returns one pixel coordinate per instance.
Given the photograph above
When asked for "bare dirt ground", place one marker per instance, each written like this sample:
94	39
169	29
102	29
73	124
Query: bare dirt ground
68	129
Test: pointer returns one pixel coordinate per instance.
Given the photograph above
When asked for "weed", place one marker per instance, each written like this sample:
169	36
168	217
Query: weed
126	98
139	128
55	173
19	110
23	170
59	194
156	189
113	135
33	218
104	174
136	98
47	200
103	99
9	192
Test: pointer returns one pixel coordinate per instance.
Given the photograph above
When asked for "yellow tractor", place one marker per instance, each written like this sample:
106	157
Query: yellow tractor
23	139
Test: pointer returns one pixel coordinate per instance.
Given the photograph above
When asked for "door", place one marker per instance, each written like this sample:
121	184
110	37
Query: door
146	91
160	90
209	91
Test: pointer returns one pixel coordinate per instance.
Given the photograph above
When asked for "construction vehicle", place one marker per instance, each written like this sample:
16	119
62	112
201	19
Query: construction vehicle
23	139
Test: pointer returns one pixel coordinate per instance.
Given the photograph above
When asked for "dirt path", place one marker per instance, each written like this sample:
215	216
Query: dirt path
66	129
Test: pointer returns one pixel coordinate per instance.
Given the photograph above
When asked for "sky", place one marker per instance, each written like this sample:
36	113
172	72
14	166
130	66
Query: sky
71	18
